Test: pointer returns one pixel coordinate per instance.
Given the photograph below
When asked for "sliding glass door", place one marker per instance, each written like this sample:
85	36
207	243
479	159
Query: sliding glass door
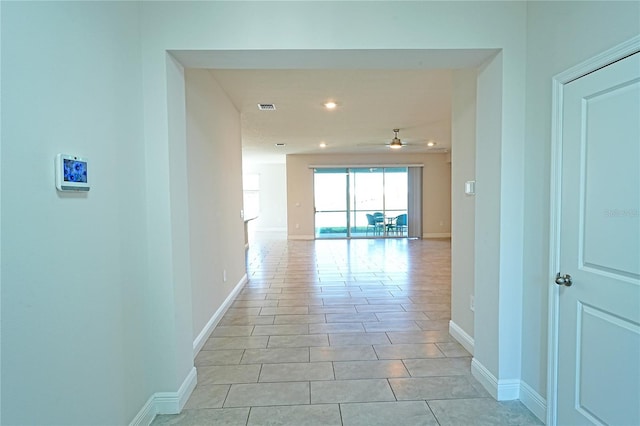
361	202
331	203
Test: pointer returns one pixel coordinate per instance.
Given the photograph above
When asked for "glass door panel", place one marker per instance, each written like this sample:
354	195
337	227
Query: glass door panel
396	191
331	203
367	202
361	202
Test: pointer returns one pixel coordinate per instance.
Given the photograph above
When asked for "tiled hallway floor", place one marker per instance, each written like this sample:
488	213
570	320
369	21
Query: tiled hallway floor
341	333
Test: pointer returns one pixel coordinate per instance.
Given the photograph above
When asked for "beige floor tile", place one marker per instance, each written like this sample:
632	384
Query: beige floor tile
266	394
296	372
316	311
380	308
444	387
336	327
288	310
339	391
397	413
247	320
408	351
275	355
432	336
438	367
220	416
207	396
296	415
343	353
358	339
452	349
249	342
299	319
228	374
219	357
232	330
280	330
482	412
384	326
298	341
369	369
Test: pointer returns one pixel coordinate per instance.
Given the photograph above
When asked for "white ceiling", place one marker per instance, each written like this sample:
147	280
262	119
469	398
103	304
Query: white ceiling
371	103
376	91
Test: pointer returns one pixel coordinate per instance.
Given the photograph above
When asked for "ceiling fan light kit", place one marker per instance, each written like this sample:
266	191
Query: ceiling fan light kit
396	143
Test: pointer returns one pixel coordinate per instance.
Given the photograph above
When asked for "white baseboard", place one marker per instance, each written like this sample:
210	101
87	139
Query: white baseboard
301	237
201	339
436	235
501	390
461	336
166	402
533	401
146	415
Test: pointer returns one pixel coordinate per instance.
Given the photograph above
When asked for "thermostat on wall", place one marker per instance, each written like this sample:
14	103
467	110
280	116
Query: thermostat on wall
71	173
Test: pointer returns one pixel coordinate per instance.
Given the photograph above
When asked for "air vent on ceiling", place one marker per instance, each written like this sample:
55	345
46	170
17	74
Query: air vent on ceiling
266	107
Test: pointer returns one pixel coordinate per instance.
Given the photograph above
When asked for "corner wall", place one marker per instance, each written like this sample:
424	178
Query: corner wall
214	168
463	169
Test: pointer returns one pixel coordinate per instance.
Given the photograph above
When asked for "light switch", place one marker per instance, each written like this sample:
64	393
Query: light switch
470	187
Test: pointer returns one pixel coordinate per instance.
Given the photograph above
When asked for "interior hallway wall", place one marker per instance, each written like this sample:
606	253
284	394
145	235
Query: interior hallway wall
436	177
77	322
214	167
463	166
559	36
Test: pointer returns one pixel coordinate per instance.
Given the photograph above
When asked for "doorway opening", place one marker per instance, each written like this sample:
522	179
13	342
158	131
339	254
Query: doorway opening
361	202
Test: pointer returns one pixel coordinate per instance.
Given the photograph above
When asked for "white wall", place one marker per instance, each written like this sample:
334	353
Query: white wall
463	169
214	170
273	196
76	318
559	35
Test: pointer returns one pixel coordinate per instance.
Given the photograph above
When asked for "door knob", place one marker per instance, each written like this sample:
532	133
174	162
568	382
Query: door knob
564	280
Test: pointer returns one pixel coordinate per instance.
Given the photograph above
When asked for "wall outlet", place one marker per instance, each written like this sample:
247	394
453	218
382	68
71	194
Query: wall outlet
297	226
472	303
224	276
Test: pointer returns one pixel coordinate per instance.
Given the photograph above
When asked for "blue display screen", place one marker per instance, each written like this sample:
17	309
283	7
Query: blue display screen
75	171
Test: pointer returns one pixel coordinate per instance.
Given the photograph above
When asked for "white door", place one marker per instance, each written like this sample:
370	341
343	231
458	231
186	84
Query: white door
598	362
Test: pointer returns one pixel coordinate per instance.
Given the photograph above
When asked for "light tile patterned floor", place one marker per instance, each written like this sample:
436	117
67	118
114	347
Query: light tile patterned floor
341	333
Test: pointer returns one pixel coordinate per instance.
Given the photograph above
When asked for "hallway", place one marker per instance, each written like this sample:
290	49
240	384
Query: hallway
337	332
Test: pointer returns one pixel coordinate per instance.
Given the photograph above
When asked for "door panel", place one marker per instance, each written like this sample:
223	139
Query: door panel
599	314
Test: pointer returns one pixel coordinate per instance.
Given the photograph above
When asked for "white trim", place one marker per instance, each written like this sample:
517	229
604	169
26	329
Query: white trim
201	339
533	401
612	55
501	390
461	336
166	402
436	235
146	414
301	237
173	402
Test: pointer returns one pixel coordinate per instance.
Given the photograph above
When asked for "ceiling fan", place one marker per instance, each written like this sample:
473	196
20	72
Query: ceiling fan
396	144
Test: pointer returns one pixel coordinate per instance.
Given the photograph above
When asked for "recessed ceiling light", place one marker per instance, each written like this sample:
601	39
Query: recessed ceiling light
330	105
431	143
323	144
280	145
